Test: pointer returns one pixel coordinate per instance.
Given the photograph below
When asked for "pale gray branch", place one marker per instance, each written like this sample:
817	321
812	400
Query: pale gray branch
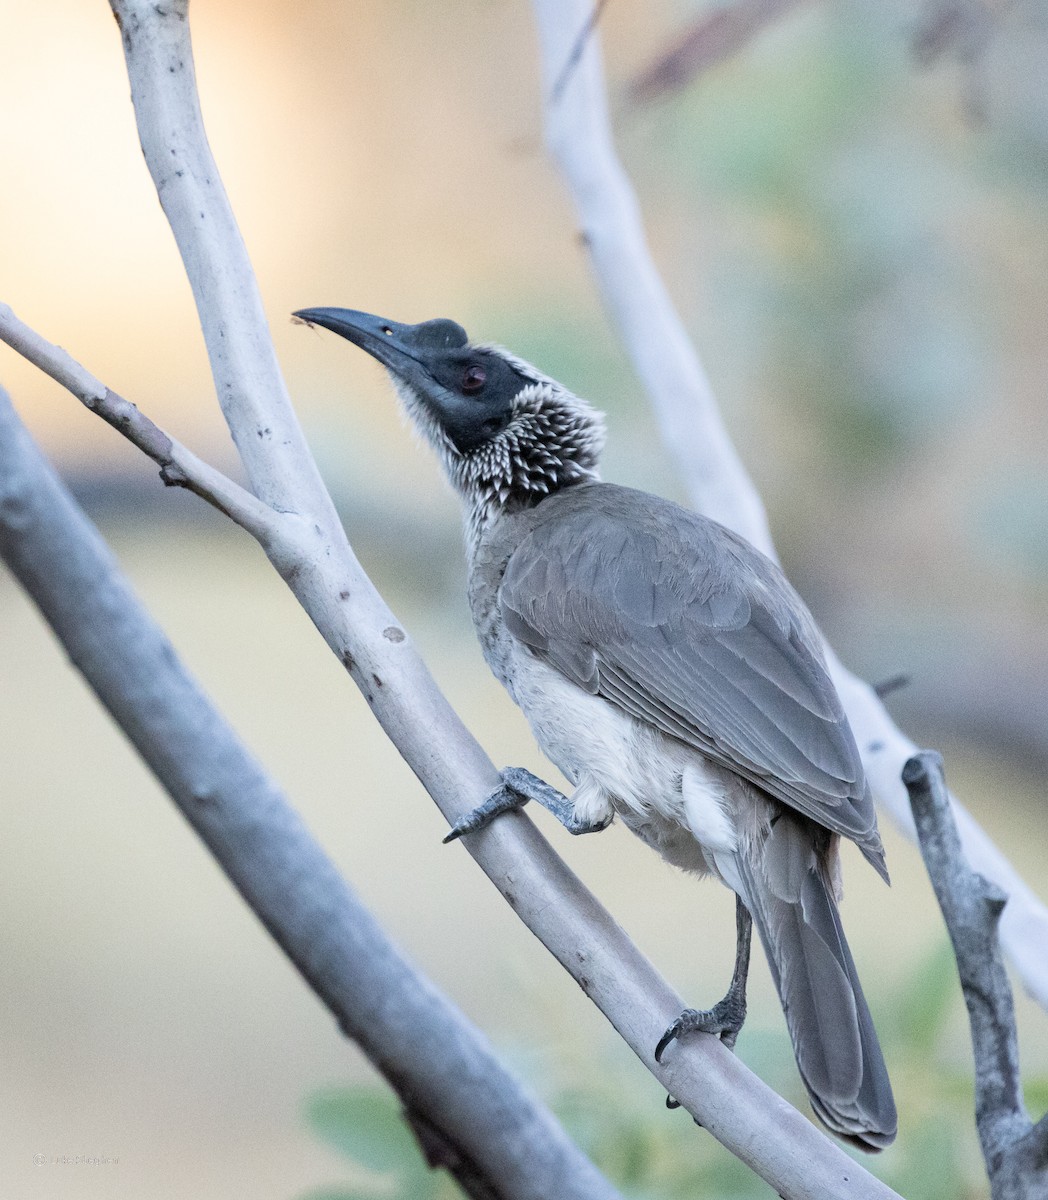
578	132
248	381
490	1128
179	467
1013	1148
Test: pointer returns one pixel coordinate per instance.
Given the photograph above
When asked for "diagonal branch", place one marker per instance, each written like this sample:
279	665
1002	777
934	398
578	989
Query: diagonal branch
248	381
490	1127
179	467
1014	1150
578	132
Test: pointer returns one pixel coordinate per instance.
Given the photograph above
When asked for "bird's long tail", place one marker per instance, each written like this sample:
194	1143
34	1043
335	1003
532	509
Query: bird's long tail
786	889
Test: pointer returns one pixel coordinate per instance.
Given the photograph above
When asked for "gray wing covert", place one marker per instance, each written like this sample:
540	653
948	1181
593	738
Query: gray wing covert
684	625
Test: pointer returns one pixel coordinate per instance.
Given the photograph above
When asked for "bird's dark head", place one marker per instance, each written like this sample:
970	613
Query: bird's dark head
507	434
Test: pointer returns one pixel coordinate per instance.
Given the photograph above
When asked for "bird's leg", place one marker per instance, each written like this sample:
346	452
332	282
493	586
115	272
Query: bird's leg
518	787
725	1018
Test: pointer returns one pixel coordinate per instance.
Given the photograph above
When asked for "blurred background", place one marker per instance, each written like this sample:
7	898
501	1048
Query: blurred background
852	214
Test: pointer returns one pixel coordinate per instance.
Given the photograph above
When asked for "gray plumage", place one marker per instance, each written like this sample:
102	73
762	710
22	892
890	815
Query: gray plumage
670	671
683	624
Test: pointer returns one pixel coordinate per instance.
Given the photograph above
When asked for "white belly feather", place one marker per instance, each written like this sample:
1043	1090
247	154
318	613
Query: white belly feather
670	795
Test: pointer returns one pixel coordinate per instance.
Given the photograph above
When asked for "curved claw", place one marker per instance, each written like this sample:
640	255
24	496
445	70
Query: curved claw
723	1020
502	799
671	1034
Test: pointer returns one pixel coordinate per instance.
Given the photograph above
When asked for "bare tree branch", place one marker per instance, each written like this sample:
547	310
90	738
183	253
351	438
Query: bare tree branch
577	49
247	376
1015	1151
579	135
709	40
314	558
492	1129
179	467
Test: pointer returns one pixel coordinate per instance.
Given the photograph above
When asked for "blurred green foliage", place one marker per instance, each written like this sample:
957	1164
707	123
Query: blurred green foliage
858	295
366	1126
613	1110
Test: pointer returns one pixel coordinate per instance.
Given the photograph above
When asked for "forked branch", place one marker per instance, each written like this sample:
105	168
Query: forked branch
179	467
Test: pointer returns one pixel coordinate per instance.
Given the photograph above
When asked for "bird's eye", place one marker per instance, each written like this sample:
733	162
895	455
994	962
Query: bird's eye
474	379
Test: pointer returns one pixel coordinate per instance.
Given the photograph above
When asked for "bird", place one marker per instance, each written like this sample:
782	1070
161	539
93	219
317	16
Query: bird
673	675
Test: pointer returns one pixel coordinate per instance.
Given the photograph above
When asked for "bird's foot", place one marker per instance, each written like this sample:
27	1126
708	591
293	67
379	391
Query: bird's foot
517	788
503	799
530	787
723	1020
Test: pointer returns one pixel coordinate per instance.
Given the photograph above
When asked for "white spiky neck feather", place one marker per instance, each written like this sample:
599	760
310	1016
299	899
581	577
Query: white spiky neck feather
553	440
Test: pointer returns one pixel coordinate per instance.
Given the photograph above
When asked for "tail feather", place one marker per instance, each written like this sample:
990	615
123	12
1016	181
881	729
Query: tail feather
786	888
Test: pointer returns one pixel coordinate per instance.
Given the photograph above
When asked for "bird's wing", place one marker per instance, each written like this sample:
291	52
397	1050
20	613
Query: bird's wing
684	625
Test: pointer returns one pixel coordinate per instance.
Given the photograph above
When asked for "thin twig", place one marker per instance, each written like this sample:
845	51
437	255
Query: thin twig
179	467
893	683
709	40
961	28
592	21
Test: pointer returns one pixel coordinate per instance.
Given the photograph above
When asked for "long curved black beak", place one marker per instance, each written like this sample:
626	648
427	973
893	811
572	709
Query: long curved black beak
406	350
388	341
